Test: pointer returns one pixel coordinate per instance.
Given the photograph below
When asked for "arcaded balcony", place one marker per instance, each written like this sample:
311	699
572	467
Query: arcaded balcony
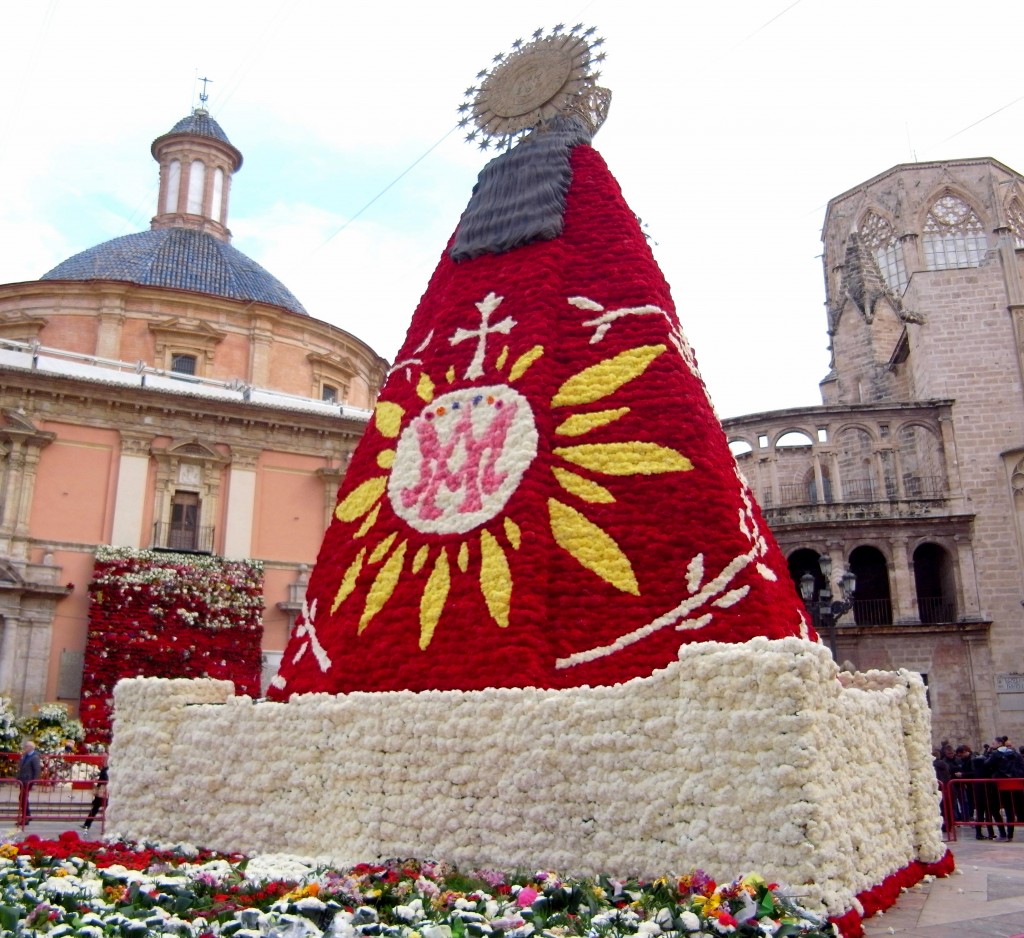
848	463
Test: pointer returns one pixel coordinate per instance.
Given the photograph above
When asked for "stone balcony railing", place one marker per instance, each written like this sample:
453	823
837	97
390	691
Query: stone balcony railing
851	510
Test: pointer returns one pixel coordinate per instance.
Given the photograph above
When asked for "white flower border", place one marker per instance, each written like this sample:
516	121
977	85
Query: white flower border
737	757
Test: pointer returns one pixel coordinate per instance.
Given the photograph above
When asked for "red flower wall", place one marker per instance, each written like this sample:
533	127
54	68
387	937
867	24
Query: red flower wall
169	615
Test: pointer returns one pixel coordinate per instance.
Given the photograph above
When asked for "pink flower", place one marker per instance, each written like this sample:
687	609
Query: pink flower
526	896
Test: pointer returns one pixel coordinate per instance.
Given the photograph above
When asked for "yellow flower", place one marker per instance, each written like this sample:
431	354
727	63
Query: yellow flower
303	892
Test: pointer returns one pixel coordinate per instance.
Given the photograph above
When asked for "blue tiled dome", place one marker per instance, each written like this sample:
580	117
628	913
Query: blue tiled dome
182	258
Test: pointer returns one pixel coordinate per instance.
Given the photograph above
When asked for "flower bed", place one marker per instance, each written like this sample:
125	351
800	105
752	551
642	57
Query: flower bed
72	887
169	615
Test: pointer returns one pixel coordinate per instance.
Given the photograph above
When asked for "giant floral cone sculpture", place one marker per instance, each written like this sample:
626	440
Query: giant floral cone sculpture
544	496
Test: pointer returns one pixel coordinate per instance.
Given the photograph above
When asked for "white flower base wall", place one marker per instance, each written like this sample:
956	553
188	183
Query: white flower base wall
737	758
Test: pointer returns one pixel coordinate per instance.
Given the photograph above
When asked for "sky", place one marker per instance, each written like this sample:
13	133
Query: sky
731	126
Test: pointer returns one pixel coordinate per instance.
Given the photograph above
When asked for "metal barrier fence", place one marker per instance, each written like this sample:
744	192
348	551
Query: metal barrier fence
993	803
57	765
60	800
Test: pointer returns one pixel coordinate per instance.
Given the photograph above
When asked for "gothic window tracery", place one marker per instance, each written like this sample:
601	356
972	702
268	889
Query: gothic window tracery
953	235
1015	216
886	248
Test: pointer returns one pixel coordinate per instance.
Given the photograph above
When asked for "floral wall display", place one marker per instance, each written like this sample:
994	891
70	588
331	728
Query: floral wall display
51	727
169	615
10	735
736	757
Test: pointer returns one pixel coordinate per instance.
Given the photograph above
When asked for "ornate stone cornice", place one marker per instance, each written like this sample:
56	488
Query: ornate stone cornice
186	334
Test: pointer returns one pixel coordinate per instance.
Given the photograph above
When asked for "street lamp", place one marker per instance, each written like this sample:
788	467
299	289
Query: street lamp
829	611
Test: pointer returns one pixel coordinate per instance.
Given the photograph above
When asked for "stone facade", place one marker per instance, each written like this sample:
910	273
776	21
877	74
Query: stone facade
911	474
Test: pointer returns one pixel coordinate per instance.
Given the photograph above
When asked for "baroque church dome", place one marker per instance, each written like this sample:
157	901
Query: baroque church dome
188	246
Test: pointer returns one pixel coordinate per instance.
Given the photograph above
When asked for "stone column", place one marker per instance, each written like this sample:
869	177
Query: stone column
130	498
9	661
111	318
902	586
968	577
261	335
819	479
241	504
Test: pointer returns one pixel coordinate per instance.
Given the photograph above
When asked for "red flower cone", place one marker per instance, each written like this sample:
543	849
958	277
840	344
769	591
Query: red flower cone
544	496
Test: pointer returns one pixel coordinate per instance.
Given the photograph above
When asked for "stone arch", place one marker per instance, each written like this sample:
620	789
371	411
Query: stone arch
793	436
855	448
740	446
805	560
872	604
934	583
922	460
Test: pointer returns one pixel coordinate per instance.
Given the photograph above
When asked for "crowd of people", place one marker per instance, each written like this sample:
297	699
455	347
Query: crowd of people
993	796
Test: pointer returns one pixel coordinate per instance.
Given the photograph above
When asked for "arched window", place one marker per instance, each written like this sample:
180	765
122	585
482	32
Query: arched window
804	560
872	604
953	235
922	461
173	186
814	497
855	465
878	235
794	438
196	182
935	585
218	194
1015	215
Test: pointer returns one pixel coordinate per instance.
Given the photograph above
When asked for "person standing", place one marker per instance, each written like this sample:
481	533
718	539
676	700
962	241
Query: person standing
30	767
1007	769
99	799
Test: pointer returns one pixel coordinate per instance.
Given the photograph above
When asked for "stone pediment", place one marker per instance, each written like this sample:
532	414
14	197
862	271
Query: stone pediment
13	424
337	364
192	448
183	333
21	327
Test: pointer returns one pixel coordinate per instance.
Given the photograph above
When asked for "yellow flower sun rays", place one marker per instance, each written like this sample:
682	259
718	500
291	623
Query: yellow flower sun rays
589	544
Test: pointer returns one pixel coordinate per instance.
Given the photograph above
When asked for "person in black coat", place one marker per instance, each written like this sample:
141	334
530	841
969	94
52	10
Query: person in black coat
1006	768
986	796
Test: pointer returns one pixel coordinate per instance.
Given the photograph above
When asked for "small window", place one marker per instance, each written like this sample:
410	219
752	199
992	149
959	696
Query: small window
183	364
329	393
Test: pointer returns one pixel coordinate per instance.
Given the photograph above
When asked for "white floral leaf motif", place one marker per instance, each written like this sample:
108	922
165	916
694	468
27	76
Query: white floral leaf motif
687	614
406	363
731	598
601	324
695	573
308	615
